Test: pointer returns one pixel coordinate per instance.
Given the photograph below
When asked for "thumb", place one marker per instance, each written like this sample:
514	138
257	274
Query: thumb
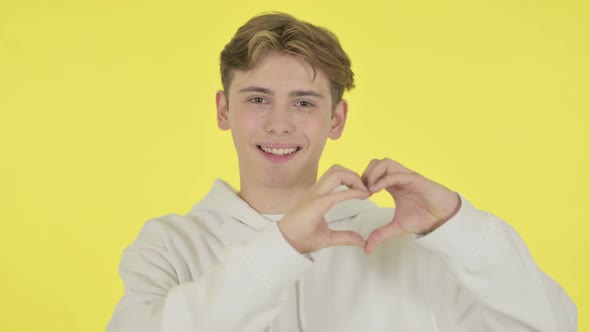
382	234
345	238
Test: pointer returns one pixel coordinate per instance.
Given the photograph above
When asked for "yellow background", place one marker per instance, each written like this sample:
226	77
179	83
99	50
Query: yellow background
108	119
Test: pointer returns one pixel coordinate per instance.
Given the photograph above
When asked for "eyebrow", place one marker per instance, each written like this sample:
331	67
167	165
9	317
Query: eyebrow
256	89
296	93
305	93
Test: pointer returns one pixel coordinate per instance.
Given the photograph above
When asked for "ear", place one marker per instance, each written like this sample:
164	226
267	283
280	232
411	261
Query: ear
338	119
222	111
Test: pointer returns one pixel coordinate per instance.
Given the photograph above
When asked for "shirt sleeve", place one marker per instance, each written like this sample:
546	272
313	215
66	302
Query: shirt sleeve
488	280
244	292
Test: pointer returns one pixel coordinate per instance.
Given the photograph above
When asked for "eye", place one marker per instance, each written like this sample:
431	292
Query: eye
304	103
256	100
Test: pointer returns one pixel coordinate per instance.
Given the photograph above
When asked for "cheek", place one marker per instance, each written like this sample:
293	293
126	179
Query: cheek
312	118
316	129
244	120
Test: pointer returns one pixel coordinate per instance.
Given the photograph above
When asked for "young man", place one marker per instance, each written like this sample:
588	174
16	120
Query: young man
288	251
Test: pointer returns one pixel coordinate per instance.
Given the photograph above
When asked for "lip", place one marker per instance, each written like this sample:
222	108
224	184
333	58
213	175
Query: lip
276	158
278	145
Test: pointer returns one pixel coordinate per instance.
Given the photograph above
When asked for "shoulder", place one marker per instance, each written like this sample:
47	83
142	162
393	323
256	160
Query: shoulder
171	228
196	229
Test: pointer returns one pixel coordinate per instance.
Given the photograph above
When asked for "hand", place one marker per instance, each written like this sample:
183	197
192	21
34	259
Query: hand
421	205
305	228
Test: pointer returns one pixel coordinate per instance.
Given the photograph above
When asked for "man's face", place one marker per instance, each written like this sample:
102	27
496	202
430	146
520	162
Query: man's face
280	117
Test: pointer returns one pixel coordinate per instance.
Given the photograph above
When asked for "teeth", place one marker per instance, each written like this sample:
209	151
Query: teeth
278	152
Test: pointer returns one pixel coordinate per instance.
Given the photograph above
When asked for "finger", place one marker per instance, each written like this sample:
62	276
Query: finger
395	166
345	238
368	170
376	171
382	234
327	201
393	180
383	168
336	176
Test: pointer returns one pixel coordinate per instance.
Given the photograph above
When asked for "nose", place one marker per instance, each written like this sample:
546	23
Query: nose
278	121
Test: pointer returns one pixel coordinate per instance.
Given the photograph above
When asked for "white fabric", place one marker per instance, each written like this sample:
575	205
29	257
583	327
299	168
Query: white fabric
224	267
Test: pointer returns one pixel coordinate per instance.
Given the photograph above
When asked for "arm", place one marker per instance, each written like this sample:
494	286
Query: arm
238	294
494	283
246	290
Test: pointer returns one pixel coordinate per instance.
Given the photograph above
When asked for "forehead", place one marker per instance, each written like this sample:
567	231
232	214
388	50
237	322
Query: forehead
282	72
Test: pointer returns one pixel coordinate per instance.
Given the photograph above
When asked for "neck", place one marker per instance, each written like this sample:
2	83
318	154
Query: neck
272	200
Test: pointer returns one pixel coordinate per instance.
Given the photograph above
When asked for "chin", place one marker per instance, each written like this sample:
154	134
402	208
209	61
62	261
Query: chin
282	179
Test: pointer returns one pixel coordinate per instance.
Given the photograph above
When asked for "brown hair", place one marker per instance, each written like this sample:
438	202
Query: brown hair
286	34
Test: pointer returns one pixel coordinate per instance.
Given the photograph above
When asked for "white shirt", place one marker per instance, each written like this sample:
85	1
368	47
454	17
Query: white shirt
224	267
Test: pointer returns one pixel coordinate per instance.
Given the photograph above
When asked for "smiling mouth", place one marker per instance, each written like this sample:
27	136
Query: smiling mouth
278	151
